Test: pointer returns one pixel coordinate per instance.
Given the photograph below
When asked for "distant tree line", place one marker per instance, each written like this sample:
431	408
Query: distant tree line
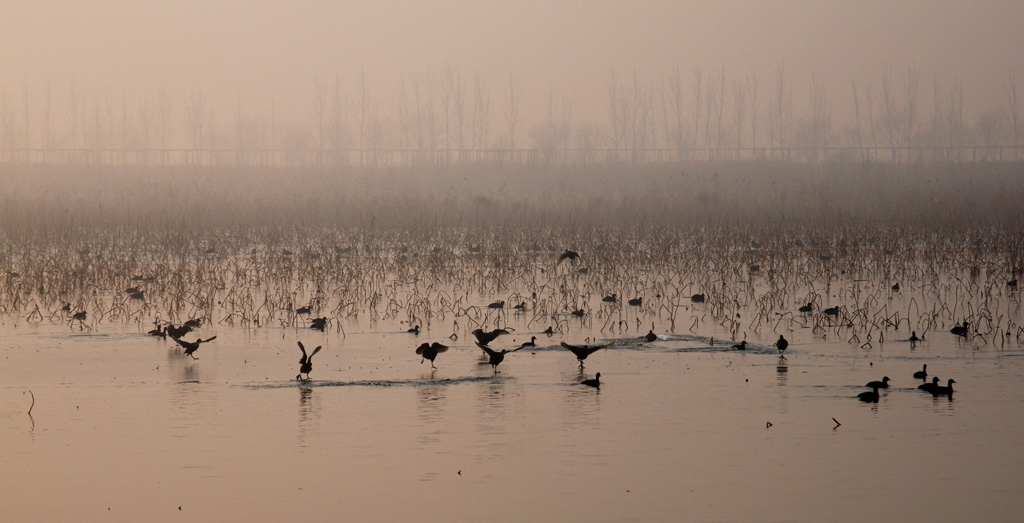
453	117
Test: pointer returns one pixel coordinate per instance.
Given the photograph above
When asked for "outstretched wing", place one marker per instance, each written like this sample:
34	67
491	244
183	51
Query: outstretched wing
207	340
421	348
488	350
439	347
316	350
303	349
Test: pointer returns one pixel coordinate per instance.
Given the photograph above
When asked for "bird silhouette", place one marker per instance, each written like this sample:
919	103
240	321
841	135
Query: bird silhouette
884	384
497	305
414	331
582	351
782	344
429	351
636	302
192	346
960	330
319	324
871	397
923	373
494	357
158	332
697	298
568	255
306	362
596	382
650	336
549	331
946	390
929	387
741	345
913	336
807	308
610	299
531	343
177	332
831	311
487	337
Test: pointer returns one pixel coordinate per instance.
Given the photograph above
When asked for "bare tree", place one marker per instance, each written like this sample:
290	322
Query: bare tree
481	112
698	89
1013	112
955	118
196	120
910	106
613	111
856	113
47	120
753	89
672	101
780	111
890	115
163	111
512	123
739	97
821	116
319	113
145	126
26	119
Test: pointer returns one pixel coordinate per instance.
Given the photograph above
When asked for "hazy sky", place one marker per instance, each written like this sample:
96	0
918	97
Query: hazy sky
253	48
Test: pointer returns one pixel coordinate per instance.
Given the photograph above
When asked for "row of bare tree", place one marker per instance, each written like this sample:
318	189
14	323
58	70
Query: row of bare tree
448	117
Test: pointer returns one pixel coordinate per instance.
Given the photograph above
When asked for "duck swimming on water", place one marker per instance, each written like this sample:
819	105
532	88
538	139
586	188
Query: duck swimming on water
946	390
923	373
960	330
596	382
929	387
884	384
871	397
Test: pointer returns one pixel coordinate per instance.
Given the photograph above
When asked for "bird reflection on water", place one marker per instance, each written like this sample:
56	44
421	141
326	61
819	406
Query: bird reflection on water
782	371
309	412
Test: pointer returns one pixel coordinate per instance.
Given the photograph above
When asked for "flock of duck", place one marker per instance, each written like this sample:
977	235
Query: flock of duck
430	351
931	387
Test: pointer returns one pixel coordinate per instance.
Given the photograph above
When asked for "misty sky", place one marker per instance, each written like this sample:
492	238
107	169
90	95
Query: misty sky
255	48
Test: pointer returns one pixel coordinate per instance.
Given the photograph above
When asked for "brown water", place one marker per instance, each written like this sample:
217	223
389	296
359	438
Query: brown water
126	428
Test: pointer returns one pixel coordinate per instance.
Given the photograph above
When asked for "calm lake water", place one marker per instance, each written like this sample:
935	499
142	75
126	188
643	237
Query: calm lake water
126	428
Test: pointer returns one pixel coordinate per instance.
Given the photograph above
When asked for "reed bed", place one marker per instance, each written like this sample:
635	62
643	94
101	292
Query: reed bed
886	252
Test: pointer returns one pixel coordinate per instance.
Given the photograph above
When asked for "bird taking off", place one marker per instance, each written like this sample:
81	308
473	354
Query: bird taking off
306	362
